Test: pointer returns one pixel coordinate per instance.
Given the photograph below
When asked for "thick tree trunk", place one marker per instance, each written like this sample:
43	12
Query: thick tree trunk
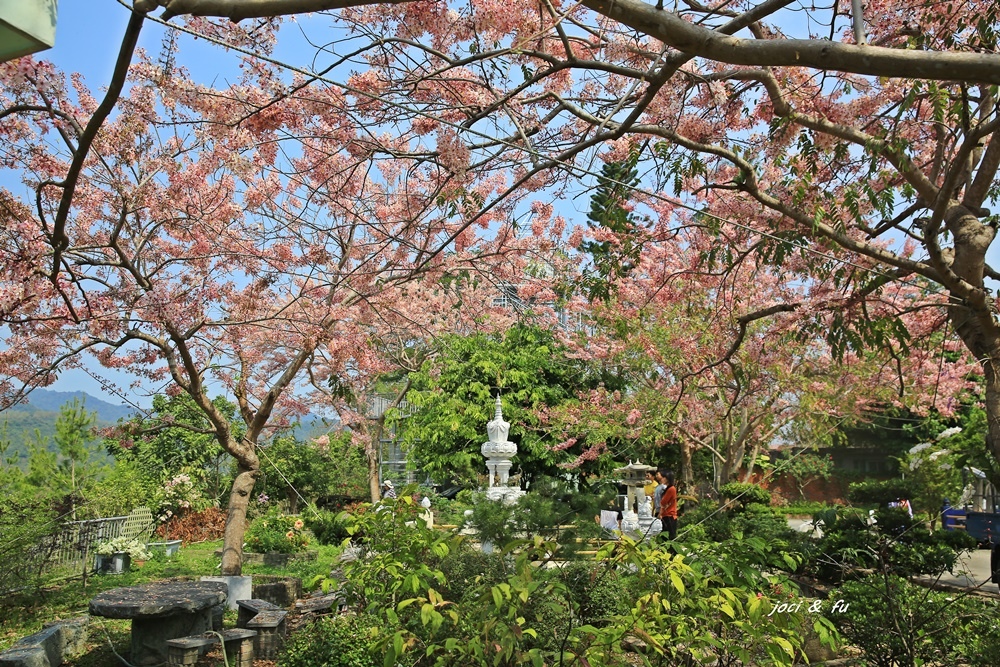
236	520
687	472
986	349
973	317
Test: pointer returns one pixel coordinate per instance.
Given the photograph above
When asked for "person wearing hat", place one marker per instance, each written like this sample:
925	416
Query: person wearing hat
388	490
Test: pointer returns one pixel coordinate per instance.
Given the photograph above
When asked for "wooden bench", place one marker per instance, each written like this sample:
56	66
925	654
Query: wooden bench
238	644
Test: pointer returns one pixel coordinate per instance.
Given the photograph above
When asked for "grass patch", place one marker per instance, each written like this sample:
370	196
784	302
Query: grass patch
23	614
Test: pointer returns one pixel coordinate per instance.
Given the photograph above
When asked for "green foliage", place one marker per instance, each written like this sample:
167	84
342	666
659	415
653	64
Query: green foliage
745	493
121	489
397	558
438	603
550	504
807	507
710	521
328	527
598	592
26	524
957	540
466	567
453	398
890	541
335	472
611	261
977	641
949	445
332	641
711	606
804	467
880	492
898	624
177	438
275	532
66	474
449	511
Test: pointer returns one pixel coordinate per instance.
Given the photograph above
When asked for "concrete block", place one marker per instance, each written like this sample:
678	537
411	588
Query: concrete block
240	588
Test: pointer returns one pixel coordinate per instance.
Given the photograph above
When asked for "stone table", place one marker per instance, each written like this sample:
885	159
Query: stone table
161	611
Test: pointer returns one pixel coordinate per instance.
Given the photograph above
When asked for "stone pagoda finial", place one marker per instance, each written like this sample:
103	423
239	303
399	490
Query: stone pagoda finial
498	429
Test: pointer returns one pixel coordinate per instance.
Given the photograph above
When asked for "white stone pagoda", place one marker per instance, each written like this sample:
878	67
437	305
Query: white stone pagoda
498	452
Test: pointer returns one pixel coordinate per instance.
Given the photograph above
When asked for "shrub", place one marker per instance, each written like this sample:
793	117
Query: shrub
597	592
466	568
806	507
332	641
276	533
757	520
959	540
898	624
533	514
328	527
978	644
894	542
745	494
707	606
880	492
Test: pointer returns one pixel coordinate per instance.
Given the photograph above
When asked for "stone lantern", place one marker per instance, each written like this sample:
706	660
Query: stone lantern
498	452
637	515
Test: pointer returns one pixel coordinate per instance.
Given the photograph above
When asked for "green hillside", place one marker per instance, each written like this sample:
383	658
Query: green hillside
19	424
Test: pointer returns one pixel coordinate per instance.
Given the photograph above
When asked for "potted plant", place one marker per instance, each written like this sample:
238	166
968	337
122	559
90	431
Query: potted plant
115	555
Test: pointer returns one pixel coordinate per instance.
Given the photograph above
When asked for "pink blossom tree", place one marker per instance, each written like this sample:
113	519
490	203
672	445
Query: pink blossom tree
203	235
855	156
727	362
221	239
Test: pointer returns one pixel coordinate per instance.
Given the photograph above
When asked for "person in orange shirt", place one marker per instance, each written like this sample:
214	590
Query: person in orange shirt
668	504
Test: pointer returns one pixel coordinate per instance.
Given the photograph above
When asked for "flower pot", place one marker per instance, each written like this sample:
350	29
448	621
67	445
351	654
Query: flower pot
169	548
115	563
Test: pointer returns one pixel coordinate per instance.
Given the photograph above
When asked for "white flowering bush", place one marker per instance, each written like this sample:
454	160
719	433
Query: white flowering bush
133	547
178	496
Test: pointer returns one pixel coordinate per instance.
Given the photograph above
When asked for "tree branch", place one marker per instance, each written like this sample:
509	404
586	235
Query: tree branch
695	40
59	240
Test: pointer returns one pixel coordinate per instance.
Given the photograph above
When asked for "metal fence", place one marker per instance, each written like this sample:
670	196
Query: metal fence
69	546
75	539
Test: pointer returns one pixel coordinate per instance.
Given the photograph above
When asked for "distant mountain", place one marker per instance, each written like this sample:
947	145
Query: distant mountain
50	401
19	424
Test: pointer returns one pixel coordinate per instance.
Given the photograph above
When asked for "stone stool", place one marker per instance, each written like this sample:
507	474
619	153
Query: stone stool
237	643
270	627
250	608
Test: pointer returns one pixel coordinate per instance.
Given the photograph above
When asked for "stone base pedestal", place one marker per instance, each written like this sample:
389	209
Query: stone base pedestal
150	635
505	494
240	588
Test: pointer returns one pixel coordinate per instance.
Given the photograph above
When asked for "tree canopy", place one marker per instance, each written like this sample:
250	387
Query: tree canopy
452	398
